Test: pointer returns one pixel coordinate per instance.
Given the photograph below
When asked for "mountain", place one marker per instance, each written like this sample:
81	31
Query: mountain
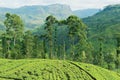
42	69
105	22
34	16
86	12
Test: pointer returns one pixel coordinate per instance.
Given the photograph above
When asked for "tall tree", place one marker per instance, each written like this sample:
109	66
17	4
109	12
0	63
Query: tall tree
100	53
28	44
117	36
14	34
50	21
77	32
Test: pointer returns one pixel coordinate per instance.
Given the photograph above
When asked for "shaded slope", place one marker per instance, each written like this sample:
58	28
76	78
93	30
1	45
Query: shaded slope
52	70
105	25
101	21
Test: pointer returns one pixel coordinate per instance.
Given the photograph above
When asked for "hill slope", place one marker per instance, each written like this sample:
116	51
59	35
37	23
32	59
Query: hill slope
52	70
104	20
104	25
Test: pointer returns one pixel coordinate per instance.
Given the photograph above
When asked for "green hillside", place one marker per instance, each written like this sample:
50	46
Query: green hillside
107	18
40	69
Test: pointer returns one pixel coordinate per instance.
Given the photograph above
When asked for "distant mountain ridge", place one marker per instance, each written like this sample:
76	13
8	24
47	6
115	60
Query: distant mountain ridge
86	12
35	15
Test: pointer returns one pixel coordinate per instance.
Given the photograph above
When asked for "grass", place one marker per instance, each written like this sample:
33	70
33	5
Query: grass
40	69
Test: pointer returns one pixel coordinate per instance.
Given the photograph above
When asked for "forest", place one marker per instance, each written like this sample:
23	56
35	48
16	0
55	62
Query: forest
67	39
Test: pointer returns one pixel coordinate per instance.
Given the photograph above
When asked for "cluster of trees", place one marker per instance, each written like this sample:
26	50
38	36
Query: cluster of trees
107	57
18	43
58	39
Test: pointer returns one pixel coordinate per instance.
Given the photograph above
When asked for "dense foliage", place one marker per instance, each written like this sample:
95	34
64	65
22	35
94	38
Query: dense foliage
18	44
104	30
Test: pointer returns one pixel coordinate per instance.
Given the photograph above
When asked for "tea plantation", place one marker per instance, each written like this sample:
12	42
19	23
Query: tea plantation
40	69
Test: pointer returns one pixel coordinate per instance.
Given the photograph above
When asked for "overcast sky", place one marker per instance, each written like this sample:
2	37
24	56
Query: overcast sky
74	4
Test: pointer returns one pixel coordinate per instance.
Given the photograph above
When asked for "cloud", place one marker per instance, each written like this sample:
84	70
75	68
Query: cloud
74	4
82	4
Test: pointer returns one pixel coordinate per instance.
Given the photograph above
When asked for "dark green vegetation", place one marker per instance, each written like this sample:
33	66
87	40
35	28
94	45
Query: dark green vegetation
104	30
105	22
50	43
37	69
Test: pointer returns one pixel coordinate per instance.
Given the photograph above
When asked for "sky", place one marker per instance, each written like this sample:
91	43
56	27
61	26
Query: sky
74	4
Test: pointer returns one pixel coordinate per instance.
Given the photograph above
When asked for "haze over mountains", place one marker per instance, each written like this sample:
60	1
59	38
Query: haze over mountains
85	12
34	16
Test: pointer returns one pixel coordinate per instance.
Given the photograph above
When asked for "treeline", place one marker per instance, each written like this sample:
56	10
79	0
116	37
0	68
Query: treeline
18	43
58	39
